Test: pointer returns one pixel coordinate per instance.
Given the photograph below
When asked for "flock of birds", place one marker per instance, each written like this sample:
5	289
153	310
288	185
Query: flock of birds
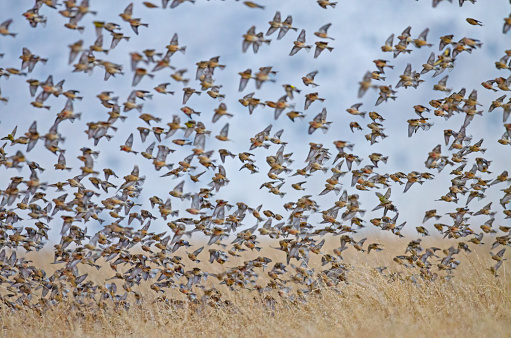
131	253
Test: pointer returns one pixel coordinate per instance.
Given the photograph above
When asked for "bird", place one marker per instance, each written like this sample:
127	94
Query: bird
4	28
323	32
308	79
300	44
320	46
474	22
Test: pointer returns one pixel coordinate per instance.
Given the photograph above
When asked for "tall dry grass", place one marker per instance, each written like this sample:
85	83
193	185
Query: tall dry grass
473	303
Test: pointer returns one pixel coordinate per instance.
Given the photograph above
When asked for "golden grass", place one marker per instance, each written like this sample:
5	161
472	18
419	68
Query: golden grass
473	303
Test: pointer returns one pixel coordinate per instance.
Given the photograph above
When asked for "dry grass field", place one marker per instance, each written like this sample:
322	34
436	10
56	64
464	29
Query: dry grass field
473	303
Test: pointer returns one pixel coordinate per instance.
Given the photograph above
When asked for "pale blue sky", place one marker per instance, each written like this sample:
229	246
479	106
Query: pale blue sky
211	28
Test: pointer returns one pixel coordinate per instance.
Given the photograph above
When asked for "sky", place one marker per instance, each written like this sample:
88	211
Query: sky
215	28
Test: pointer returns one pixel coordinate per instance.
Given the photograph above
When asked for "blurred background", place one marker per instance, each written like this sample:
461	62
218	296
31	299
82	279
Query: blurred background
215	28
